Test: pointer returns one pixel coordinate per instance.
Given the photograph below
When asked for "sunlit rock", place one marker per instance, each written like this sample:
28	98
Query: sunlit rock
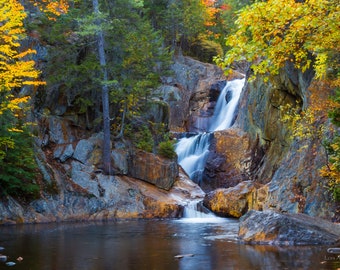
234	201
272	228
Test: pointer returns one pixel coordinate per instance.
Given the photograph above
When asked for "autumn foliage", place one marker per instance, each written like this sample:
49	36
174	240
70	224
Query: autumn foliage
306	33
269	33
53	8
17	69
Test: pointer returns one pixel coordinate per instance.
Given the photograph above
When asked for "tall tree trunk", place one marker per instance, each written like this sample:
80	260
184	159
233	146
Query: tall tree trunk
105	95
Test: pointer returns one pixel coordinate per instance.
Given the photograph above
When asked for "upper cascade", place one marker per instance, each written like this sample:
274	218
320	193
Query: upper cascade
226	105
192	152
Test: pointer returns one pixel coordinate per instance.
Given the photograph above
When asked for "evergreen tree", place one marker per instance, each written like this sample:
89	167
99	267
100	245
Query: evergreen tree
135	58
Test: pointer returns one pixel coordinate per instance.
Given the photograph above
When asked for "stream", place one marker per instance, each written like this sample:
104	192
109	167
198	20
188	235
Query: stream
199	241
187	243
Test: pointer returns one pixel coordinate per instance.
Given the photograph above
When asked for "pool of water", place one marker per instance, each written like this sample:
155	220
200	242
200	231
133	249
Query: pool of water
150	244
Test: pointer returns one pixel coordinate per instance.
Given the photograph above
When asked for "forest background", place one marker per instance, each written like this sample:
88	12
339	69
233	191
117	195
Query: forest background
108	57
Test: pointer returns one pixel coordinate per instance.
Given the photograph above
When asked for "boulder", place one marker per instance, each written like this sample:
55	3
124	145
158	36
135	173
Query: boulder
60	131
232	202
273	228
228	160
153	169
89	151
63	152
3	258
120	159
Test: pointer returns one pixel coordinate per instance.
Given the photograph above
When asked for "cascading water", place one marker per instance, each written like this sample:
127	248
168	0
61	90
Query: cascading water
226	105
193	151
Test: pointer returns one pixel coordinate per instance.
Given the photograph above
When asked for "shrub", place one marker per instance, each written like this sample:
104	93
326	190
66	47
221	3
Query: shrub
166	149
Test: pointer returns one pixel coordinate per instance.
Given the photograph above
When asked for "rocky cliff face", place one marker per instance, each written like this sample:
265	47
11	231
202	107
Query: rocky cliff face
256	149
191	92
289	170
258	146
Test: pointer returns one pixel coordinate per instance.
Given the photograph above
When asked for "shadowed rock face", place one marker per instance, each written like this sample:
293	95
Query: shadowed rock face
108	198
187	92
272	228
291	168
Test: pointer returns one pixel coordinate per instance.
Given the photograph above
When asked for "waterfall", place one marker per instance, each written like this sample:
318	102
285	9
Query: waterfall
226	105
193	151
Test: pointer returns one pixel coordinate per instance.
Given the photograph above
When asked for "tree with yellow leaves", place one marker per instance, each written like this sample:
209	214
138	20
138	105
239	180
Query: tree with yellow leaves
17	69
270	33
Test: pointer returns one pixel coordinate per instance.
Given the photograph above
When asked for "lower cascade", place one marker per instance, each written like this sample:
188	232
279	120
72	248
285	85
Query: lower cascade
193	151
195	212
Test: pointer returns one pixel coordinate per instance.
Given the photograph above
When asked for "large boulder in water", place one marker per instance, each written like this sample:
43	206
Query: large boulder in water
234	201
273	228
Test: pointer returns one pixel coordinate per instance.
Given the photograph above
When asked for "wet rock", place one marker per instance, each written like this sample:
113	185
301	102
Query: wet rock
216	89
181	256
334	250
234	201
188	90
272	228
3	258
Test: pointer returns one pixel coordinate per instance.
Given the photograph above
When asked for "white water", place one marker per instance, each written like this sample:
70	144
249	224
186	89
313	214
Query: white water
193	151
224	112
194	215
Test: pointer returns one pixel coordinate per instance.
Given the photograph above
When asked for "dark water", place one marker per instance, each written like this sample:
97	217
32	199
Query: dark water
148	245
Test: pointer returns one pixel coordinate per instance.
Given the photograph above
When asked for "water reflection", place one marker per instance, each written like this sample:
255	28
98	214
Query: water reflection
150	244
